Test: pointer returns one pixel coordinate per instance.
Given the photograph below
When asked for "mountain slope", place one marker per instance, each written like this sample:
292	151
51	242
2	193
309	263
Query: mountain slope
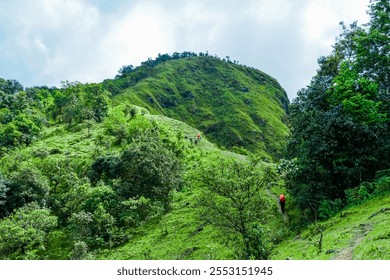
233	105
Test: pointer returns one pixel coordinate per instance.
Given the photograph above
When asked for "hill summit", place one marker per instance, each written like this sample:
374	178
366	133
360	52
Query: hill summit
236	107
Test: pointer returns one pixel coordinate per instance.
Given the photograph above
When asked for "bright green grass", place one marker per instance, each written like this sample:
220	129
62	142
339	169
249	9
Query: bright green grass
180	234
352	234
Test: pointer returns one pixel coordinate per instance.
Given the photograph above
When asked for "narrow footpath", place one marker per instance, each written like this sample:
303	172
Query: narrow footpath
276	198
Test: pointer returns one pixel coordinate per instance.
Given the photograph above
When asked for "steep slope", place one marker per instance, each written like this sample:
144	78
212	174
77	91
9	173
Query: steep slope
235	106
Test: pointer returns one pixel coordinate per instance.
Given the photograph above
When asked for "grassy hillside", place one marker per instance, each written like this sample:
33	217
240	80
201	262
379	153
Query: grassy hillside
116	170
357	233
182	233
233	105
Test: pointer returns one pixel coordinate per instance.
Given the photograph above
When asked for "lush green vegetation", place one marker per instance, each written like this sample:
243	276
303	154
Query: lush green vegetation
340	134
184	156
93	176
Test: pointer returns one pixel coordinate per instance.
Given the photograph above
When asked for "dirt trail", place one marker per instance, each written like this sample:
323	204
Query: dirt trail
347	253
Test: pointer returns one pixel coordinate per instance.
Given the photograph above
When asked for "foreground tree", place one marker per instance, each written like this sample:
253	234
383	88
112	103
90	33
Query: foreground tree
233	200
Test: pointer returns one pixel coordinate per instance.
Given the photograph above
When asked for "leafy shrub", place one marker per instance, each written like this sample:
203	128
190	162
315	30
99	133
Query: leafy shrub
80	251
382	185
149	169
145	168
367	190
134	211
25	185
259	245
328	208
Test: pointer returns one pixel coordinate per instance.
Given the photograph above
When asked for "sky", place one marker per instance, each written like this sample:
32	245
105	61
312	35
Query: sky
44	42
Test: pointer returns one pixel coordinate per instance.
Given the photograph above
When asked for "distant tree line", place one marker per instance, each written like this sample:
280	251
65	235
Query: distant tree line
23	112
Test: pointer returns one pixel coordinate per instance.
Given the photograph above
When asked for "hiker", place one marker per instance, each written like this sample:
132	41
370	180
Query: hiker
198	136
282	202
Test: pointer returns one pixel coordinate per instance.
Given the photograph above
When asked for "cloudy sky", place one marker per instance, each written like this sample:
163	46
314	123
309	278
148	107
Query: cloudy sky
43	42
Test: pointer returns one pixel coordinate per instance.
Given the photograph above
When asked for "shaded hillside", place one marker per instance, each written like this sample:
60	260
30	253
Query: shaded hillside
234	106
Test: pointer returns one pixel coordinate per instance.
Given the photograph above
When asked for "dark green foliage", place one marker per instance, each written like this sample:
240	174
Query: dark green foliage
367	190
20	119
340	122
145	168
149	169
23	186
105	168
76	102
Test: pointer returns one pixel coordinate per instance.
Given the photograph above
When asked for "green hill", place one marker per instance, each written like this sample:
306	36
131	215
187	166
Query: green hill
115	170
233	105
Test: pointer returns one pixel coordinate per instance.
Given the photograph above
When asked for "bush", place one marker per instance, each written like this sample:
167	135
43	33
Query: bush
367	190
24	186
382	185
259	245
328	208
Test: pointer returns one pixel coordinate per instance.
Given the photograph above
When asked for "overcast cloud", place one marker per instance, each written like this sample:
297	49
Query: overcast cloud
43	42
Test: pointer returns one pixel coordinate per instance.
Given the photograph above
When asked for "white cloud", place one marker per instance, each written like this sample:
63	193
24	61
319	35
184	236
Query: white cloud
141	32
46	34
320	18
46	41
270	12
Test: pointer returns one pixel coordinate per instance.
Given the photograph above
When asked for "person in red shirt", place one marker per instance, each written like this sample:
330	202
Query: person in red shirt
282	202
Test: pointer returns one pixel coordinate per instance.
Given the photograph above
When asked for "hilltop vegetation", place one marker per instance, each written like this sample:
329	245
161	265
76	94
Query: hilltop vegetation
235	106
183	157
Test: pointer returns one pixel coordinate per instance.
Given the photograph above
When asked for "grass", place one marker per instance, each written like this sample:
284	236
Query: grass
180	234
352	234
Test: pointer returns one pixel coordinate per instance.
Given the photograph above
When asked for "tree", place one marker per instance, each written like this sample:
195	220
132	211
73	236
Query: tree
24	186
233	200
76	102
10	86
340	122
148	168
23	235
125	70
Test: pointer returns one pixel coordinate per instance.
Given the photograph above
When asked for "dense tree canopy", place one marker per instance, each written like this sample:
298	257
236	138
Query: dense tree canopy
340	122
